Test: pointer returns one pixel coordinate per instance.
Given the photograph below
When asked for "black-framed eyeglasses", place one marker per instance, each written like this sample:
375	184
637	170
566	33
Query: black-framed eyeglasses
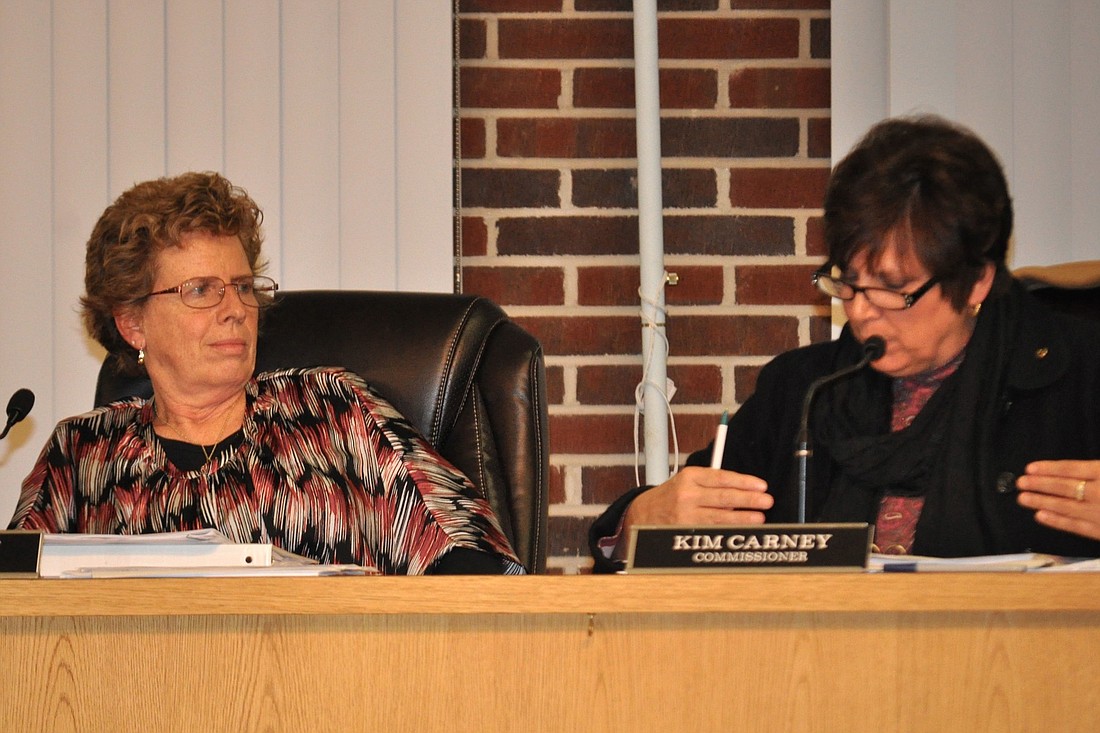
207	292
884	298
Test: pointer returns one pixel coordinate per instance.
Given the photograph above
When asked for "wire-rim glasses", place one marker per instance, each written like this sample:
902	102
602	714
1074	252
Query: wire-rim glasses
884	298
207	292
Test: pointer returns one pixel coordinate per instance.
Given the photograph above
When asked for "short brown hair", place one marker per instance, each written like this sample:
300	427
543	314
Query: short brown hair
121	257
932	183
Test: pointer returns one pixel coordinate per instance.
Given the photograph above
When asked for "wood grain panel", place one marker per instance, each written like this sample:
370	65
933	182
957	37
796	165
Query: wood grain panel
550	668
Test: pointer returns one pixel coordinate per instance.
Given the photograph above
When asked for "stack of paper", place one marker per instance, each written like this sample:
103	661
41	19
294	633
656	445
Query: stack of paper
1019	562
205	552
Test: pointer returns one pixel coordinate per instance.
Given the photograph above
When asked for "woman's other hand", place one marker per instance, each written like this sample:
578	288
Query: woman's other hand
1064	494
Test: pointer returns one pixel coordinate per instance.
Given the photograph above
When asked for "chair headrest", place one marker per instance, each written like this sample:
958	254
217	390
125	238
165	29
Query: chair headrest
419	350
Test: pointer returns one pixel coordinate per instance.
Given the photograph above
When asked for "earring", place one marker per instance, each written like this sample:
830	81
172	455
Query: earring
975	309
141	356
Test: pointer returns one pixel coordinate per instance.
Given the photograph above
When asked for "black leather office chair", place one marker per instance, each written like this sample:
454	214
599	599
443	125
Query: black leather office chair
1070	287
470	379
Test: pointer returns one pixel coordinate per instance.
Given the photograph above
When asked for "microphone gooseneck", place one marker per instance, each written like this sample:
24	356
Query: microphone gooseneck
18	406
873	349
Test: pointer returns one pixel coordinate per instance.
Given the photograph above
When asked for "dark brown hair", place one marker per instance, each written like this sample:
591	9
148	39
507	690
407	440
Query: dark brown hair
931	184
121	257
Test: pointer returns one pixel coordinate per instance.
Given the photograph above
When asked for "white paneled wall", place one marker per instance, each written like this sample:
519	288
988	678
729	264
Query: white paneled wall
334	114
1021	73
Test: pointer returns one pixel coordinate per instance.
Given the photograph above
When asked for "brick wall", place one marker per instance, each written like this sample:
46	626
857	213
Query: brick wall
549	211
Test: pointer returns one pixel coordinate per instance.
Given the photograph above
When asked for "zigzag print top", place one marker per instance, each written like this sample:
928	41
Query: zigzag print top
326	469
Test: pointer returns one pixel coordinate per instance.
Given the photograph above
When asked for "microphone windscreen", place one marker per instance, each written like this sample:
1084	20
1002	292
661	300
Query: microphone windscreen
20	404
874	347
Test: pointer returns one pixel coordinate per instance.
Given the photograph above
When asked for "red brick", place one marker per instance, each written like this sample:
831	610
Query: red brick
471	38
694	432
819	133
691	335
768	88
615	384
663	6
516	285
821	38
568	235
489	87
729	137
607	285
618	188
688	88
509	6
815	236
698	285
607	385
472	137
568	536
777	285
603	87
696	384
539	38
605	484
556	483
555	384
744	381
778	188
729	235
780	4
728	38
585	335
608	235
562	137
821	328
689	188
613	88
618	285
475	236
516	187
584	434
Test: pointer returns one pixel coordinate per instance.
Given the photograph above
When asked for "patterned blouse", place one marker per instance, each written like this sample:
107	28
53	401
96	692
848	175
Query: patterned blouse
325	468
896	526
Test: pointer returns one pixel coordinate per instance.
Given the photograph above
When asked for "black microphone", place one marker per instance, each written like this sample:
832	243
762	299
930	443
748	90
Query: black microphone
873	349
18	406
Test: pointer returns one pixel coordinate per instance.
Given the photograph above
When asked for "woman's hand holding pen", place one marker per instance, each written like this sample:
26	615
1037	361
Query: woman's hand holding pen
700	496
1064	494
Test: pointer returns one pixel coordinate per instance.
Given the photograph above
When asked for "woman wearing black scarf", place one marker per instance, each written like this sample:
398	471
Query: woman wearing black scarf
978	430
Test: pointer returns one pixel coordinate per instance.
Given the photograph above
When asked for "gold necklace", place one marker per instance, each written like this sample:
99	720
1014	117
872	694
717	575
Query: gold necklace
208	454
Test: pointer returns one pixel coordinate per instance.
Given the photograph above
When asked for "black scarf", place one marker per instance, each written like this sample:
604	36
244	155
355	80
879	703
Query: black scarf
943	455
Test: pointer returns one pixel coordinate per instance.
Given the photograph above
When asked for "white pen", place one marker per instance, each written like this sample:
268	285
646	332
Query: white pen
720	441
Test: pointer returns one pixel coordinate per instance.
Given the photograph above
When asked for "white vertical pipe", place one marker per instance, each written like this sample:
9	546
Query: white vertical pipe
651	240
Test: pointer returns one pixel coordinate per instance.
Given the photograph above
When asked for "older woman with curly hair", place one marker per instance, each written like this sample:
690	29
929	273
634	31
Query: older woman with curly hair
311	460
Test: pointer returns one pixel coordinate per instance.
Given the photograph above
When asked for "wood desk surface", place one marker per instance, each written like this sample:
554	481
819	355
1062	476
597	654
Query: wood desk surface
904	653
550	594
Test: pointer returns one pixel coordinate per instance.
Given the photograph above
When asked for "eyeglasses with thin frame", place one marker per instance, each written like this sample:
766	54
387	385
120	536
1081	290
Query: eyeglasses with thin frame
207	292
891	300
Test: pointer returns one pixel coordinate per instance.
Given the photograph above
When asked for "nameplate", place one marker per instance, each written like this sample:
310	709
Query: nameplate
20	551
757	547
